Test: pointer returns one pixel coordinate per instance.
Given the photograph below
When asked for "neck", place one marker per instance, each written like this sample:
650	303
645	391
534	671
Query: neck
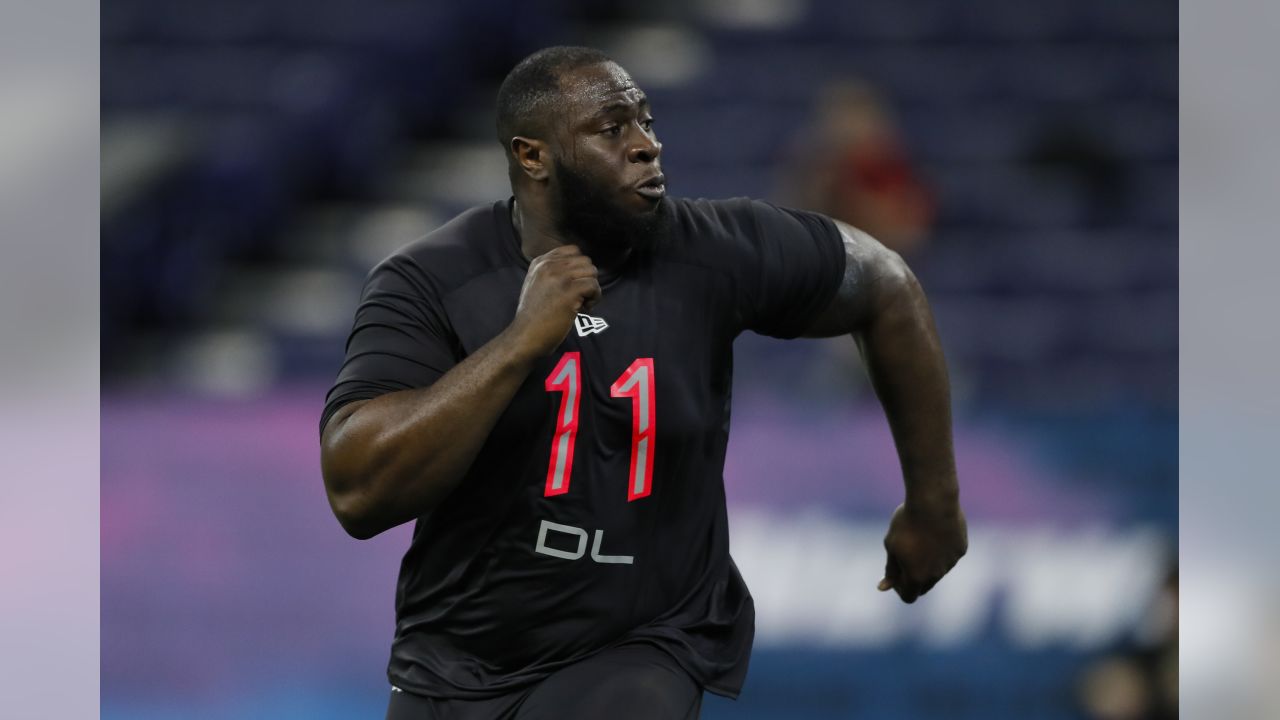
538	234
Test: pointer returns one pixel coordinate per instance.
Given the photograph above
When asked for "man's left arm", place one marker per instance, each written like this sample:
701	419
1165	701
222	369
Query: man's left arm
883	307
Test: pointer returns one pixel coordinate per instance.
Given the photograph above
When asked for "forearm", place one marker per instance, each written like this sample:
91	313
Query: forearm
883	306
395	457
904	359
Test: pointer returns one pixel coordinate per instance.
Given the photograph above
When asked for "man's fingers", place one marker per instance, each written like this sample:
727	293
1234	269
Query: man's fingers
928	586
899	581
586	269
908	590
571	266
567	258
563	251
912	588
579	267
892	573
589	288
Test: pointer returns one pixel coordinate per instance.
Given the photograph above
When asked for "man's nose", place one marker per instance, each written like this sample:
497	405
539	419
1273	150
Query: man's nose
646	150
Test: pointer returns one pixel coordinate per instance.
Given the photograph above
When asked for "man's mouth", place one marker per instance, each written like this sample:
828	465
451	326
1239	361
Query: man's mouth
655	188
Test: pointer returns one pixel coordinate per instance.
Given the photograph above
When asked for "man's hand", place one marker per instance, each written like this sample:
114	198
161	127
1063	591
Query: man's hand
923	543
559	284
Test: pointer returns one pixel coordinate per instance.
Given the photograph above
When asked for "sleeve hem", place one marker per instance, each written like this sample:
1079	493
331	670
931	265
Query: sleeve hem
833	262
333	406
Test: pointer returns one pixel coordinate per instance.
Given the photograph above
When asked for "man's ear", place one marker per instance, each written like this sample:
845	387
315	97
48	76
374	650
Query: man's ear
533	156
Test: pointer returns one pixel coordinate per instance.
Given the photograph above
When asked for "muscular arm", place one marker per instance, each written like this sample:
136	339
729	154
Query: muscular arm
393	458
390	459
883	307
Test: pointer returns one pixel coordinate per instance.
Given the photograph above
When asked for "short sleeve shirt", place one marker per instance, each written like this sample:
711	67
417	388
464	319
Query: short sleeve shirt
594	514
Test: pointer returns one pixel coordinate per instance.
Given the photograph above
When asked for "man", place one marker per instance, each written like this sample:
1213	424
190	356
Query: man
543	385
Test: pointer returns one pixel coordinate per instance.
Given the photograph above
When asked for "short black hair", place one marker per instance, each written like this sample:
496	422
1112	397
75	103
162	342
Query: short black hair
533	86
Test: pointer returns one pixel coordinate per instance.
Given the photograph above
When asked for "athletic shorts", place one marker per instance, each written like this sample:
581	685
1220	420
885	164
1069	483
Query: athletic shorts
629	682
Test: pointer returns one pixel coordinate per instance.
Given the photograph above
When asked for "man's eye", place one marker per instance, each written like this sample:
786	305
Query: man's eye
613	130
647	124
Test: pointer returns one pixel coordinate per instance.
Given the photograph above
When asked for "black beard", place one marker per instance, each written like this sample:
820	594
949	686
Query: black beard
586	213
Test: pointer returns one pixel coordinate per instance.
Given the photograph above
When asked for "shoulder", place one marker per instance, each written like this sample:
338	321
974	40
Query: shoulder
703	229
469	245
703	216
740	214
741	223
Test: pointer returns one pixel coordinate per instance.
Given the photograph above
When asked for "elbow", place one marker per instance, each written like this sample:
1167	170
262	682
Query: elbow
362	516
370	487
349	498
346	469
357	531
360	506
353	511
354	516
897	286
896	273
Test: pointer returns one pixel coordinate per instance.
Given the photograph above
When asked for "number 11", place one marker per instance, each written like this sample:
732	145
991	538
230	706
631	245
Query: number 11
636	382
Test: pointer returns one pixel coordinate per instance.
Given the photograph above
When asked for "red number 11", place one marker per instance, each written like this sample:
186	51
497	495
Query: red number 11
636	382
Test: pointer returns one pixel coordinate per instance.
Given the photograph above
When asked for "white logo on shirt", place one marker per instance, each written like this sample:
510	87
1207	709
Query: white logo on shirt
587	324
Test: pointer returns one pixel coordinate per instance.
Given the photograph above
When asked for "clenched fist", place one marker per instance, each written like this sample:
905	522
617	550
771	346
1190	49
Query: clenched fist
923	543
560	283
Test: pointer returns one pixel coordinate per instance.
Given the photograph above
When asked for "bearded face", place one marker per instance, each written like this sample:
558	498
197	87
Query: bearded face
605	221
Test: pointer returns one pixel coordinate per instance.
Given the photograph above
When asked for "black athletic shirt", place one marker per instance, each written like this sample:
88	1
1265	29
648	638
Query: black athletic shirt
594	514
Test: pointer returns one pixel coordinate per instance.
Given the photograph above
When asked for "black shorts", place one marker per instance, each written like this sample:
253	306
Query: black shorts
622	683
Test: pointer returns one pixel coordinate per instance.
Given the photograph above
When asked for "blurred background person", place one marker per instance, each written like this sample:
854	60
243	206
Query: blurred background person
850	163
259	157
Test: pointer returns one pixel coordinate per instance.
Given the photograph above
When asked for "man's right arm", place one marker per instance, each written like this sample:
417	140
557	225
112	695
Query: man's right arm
391	459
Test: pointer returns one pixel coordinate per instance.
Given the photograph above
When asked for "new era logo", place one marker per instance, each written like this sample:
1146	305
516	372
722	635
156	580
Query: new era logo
587	325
